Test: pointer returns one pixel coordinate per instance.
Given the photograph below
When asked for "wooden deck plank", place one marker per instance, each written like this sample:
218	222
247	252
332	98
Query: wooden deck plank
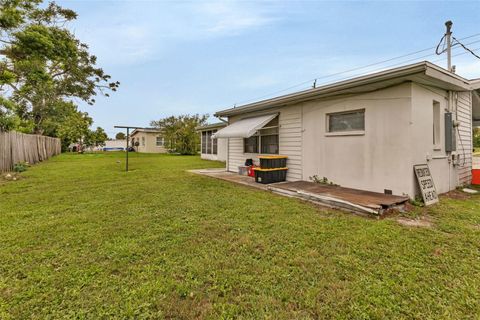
360	197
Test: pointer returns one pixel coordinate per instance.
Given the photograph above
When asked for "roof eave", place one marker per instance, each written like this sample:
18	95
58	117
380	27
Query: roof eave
424	67
312	93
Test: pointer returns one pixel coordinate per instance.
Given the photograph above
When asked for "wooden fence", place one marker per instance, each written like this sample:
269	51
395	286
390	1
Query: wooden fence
18	147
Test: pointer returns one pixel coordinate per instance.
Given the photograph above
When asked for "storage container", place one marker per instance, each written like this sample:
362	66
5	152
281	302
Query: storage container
476	176
243	170
270	162
266	176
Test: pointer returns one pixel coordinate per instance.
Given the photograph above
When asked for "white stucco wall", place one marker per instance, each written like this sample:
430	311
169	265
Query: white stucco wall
421	136
398	134
377	160
150	143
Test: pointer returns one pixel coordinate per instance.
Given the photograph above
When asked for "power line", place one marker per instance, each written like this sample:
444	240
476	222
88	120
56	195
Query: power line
400	63
464	47
360	68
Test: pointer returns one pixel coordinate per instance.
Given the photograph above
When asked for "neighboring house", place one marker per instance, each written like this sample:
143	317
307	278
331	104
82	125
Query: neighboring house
114	145
150	140
367	132
210	148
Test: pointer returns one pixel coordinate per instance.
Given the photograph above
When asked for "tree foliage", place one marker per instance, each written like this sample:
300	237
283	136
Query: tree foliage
74	128
476	137
43	67
95	138
120	136
179	132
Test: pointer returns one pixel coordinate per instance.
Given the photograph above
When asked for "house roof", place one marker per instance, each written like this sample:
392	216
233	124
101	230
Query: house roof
149	130
424	72
215	125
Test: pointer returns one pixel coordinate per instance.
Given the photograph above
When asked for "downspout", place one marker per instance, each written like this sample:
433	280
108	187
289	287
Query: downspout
227	162
449	156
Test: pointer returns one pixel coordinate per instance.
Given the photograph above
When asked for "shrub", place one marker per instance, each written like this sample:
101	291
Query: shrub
20	167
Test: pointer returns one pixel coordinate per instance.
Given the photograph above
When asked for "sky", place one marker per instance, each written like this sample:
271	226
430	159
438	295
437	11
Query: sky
188	57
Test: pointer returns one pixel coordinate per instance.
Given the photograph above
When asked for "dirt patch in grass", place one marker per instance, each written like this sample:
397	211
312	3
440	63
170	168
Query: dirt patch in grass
455	195
10	176
421	222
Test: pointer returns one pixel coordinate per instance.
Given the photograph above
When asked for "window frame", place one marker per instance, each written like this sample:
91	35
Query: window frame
162	141
436	126
254	145
258	148
209	145
214	143
345	132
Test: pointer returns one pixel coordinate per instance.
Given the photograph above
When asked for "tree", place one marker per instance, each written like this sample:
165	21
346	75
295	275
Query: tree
120	136
476	137
42	63
8	119
179	132
95	138
74	128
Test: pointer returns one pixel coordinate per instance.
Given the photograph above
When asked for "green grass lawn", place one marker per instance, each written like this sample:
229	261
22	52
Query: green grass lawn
80	238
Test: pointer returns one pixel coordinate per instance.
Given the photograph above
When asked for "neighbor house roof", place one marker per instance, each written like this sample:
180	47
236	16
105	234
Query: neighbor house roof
424	72
211	126
149	130
475	84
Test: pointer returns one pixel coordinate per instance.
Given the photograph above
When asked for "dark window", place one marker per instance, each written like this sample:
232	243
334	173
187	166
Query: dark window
269	139
269	144
265	141
346	121
204	142
214	143
209	142
250	145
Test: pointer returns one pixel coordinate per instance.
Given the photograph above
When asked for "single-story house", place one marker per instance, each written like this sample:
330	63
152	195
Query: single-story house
148	140
210	148
366	132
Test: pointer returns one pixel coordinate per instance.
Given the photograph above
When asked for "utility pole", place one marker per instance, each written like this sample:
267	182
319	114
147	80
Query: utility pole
448	36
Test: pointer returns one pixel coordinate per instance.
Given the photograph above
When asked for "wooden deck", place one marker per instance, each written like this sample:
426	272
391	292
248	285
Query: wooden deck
339	197
352	200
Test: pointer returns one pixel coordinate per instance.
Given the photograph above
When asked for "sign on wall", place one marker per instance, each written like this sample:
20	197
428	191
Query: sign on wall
425	182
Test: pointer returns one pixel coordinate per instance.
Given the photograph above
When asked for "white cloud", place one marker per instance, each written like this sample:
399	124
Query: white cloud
232	17
122	33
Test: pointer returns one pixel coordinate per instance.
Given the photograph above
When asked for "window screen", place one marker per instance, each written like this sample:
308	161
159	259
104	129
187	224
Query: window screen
209	142
269	144
346	121
159	141
436	123
204	142
250	145
214	143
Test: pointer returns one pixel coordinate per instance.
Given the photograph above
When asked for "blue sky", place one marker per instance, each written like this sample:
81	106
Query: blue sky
178	57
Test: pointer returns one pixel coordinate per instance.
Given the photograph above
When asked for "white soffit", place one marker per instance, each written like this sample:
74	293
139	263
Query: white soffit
244	128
